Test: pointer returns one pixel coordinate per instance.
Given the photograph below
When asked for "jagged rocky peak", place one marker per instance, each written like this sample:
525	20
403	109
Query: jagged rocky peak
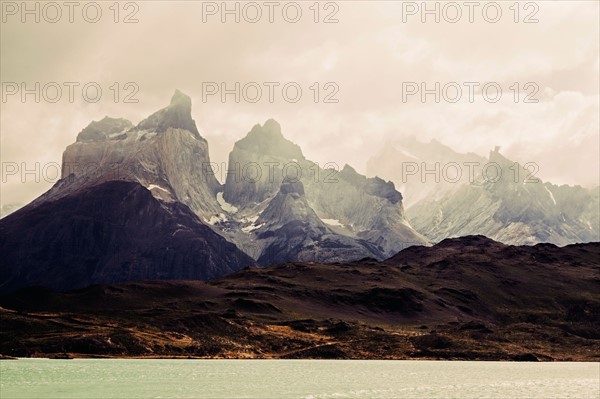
182	100
178	115
170	164
268	140
374	185
267	147
270	130
509	174
103	129
288	206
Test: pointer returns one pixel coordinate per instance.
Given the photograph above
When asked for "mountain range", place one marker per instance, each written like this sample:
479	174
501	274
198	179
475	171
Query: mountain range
141	202
139	251
507	204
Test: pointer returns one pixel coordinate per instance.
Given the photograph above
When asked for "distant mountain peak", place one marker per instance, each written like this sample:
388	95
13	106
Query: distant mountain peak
511	205
181	99
271	129
272	125
349	170
267	139
177	115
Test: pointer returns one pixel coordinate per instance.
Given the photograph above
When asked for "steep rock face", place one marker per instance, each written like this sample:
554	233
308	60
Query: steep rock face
291	231
110	233
164	153
515	208
256	164
373	186
367	208
351	205
177	115
103	129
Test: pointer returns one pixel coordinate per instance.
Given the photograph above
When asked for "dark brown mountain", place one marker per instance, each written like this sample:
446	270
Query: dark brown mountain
465	298
114	232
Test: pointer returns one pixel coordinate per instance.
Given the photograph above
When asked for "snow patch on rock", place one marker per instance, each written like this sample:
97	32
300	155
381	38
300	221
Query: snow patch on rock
332	222
220	218
551	195
226	206
153	186
252	227
250	219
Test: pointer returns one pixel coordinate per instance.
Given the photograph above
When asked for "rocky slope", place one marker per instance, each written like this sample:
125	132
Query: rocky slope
469	298
290	229
110	233
514	208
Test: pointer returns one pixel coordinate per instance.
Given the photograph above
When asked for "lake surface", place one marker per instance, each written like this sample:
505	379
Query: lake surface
104	378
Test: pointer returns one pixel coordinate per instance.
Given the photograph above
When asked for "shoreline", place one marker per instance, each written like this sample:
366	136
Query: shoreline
78	356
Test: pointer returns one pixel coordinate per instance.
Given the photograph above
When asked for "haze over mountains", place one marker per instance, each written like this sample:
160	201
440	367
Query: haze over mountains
521	210
142	202
495	196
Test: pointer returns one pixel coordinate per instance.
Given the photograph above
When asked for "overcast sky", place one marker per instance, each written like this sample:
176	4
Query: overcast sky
368	54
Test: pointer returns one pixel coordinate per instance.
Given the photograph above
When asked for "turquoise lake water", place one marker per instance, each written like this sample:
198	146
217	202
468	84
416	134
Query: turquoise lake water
104	378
